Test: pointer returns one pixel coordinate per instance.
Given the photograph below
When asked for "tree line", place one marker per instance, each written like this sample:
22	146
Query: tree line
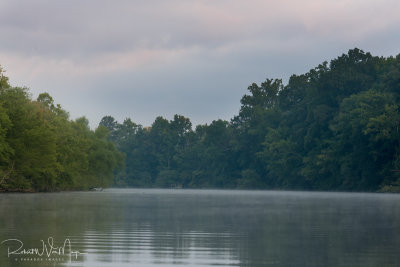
335	127
41	149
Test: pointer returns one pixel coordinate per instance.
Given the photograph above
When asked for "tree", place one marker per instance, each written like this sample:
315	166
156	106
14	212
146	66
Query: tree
42	150
332	128
3	80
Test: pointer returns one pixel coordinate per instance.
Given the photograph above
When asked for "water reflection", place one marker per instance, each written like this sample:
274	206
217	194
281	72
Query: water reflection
120	227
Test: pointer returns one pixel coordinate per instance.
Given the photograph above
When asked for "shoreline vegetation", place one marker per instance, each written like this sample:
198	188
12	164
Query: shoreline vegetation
42	150
334	128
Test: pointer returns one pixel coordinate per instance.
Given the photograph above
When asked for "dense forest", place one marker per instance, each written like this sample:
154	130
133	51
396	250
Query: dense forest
333	128
41	149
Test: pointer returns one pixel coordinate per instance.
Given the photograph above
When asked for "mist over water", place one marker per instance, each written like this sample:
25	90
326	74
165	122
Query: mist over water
151	227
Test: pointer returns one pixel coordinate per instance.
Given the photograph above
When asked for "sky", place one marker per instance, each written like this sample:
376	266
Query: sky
147	58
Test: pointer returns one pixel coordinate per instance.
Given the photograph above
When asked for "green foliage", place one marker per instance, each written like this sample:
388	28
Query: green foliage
3	80
366	136
333	128
42	150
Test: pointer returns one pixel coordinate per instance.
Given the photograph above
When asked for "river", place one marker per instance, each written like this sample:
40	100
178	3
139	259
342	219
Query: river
155	227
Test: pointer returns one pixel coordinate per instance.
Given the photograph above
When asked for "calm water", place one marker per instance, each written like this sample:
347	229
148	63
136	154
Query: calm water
137	227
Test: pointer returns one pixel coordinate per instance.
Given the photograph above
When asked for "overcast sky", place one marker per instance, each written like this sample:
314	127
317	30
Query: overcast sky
146	58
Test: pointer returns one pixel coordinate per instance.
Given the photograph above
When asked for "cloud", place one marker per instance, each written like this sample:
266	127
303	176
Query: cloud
149	57
349	19
82	30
